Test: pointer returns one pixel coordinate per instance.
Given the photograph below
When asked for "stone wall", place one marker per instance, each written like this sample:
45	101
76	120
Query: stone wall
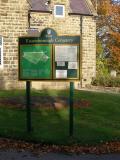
88	53
14	23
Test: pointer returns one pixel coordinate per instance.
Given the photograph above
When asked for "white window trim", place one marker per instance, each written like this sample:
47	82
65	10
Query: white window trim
59	16
1	46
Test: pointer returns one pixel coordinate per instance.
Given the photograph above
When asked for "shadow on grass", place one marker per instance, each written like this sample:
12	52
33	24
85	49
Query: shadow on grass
92	125
49	125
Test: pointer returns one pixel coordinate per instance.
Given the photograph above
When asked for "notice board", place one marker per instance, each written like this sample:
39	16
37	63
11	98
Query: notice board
49	57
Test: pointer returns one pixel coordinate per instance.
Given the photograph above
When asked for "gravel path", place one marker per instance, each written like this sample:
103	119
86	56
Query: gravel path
14	155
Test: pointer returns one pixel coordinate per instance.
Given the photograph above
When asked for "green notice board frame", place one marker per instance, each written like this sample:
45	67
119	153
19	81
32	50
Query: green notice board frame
49	57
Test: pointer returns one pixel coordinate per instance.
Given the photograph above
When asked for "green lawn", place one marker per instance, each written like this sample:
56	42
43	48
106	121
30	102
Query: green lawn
100	122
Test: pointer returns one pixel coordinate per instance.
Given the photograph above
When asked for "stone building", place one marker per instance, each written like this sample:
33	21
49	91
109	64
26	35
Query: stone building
66	17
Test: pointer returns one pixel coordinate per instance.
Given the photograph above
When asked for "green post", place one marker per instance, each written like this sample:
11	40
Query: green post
71	109
28	106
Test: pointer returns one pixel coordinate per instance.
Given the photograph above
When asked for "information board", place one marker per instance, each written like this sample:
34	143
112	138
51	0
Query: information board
49	57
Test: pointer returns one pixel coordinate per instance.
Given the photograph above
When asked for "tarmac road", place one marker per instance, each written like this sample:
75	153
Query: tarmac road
14	155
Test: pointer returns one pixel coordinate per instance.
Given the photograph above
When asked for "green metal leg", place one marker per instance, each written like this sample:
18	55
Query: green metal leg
28	106
71	122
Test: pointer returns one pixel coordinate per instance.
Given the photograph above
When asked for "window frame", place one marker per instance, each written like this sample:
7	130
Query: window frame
55	8
1	47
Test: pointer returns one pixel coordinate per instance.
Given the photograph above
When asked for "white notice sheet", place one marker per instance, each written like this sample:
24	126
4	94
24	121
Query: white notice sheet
66	53
61	73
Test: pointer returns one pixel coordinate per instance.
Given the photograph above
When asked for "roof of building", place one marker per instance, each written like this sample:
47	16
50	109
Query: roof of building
39	5
79	7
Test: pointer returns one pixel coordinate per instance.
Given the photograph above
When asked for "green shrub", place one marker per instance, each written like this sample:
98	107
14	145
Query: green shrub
106	81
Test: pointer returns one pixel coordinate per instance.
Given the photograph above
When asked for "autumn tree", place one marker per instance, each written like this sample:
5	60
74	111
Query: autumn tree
108	31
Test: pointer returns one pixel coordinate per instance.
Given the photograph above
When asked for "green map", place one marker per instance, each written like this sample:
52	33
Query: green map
35	61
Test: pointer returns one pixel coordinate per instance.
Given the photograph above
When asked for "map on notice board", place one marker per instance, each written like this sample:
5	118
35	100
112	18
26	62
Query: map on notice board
35	61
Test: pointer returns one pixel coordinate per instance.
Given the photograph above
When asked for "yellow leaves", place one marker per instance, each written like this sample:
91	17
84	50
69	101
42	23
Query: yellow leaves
104	7
99	48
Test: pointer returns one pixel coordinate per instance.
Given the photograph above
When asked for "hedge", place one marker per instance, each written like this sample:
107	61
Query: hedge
106	81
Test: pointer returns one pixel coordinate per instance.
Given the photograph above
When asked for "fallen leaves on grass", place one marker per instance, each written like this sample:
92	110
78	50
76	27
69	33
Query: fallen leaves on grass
47	102
111	147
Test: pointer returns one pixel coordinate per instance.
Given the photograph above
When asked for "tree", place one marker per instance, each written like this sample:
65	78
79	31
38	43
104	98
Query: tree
108	29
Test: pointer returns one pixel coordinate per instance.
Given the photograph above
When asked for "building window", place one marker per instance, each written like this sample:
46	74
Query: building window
59	10
1	51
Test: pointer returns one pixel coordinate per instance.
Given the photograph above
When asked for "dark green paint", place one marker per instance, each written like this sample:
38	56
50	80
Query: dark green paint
72	73
28	106
50	40
71	117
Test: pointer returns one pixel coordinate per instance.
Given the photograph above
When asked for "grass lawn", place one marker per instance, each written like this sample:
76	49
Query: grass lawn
100	122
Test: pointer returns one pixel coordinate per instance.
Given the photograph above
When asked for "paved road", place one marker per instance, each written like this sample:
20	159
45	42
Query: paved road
13	155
